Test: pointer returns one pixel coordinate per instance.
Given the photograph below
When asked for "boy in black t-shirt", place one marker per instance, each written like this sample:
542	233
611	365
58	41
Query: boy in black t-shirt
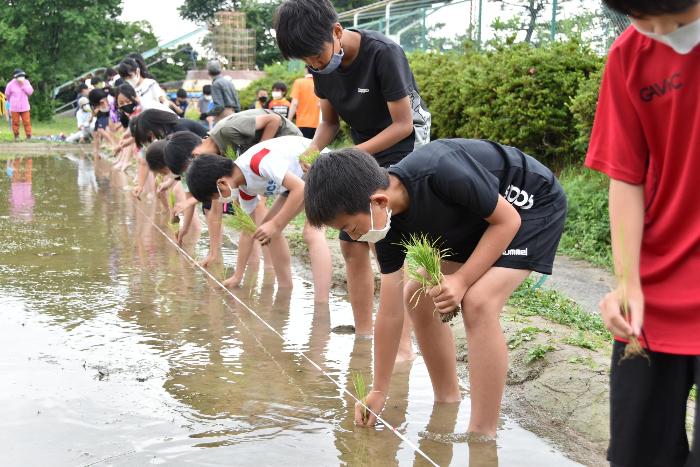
498	212
364	78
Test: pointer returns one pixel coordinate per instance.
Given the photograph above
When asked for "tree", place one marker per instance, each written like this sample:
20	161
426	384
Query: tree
528	22
52	39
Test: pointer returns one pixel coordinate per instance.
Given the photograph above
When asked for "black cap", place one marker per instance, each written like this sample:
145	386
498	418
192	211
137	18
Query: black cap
18	72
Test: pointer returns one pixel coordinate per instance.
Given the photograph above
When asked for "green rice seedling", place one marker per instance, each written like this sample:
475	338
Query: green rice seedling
424	259
633	347
241	220
358	380
231	153
310	157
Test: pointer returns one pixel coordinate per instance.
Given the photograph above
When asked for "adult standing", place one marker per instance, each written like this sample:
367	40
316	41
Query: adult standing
17	93
223	92
306	106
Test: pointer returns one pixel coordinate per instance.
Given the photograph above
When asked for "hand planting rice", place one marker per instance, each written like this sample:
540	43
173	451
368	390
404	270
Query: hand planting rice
424	258
310	157
358	380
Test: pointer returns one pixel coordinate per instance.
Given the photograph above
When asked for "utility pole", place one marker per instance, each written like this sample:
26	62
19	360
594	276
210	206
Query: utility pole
478	31
553	26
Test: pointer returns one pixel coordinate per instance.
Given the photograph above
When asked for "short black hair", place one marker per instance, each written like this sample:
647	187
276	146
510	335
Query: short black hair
181	93
281	86
158	122
127	91
82	86
303	27
341	182
178	150
96	80
155	157
110	73
642	8
203	173
95	96
206	89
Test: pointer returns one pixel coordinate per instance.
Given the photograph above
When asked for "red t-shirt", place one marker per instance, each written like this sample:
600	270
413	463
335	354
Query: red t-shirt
647	131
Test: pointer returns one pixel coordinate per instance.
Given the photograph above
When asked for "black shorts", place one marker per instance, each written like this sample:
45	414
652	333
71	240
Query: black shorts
535	245
307	132
648	402
385	162
102	122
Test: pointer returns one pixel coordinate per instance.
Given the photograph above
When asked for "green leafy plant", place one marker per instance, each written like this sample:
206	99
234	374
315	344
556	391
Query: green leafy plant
538	352
580	340
361	391
231	153
424	259
525	334
241	220
309	158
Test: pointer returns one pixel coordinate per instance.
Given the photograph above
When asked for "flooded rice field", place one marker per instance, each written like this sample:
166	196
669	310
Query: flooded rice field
116	350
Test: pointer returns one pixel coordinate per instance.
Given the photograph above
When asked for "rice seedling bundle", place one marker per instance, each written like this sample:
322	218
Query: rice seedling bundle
633	347
231	153
241	220
424	259
358	380
310	157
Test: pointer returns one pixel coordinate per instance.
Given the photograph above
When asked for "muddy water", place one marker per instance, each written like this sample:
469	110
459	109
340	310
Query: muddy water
115	350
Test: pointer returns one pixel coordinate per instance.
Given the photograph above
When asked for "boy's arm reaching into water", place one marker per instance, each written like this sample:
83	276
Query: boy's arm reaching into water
387	334
213	217
292	206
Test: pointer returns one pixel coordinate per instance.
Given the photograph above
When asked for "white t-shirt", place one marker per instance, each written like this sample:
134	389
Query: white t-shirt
83	118
150	92
264	166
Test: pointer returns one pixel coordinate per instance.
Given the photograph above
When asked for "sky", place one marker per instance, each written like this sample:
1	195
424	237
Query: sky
162	14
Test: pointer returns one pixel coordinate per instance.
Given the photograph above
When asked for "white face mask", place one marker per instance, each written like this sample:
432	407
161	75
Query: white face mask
375	235
276	95
683	40
230	198
133	80
20	79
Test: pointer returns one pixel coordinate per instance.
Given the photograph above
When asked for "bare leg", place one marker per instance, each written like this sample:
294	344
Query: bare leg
360	284
321	264
488	353
436	344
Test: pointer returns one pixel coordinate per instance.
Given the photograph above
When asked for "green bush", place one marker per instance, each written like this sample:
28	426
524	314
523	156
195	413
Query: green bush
276	72
517	95
583	107
587	231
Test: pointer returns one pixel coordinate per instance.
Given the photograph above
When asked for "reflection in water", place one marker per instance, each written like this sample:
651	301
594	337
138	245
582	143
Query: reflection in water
21	197
125	349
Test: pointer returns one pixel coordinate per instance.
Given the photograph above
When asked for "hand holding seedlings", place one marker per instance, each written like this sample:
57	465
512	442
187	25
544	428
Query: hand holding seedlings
358	380
241	220
424	260
375	400
448	294
623	314
265	232
308	158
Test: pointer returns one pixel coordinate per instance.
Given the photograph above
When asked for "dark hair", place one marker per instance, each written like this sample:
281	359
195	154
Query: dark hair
203	173
143	68
178	150
303	27
155	156
82	86
206	89
110	73
129	65
127	90
641	8
341	182
281	86
96	80
158	122
95	96
181	93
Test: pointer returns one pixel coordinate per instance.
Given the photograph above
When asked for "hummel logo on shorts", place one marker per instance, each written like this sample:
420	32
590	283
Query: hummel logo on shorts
362	90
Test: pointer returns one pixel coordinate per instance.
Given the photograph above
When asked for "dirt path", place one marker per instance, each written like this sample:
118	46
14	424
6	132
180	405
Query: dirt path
583	283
